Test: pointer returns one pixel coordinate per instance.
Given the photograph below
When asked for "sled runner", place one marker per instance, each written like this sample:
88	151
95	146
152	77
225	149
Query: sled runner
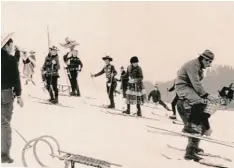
68	158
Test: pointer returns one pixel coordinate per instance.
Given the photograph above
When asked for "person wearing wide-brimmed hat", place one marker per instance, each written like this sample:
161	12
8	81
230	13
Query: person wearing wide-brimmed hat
74	66
111	83
10	87
50	69
136	93
29	65
193	99
156	95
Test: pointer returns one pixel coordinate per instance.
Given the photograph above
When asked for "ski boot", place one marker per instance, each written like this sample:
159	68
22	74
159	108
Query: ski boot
192	128
139	113
191	155
126	112
6	158
199	150
111	106
72	93
55	101
173	117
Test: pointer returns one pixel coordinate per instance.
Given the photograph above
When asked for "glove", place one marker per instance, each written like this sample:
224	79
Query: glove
92	76
53	62
213	99
208	132
44	72
80	70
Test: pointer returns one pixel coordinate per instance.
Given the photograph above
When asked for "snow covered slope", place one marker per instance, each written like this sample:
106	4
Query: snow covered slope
86	130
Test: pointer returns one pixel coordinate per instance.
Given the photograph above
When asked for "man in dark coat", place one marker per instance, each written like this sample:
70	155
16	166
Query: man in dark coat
50	74
156	95
10	87
111	83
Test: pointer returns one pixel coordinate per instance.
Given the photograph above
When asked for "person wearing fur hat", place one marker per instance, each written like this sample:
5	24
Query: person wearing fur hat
50	69
136	93
193	99
10	88
111	83
124	81
74	65
29	65
156	95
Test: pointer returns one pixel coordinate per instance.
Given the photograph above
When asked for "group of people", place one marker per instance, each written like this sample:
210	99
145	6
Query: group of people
194	104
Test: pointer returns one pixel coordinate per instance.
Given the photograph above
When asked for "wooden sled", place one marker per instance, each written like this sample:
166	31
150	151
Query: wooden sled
69	159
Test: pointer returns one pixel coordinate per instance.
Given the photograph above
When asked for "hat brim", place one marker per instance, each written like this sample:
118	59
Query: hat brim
6	39
106	58
204	56
69	45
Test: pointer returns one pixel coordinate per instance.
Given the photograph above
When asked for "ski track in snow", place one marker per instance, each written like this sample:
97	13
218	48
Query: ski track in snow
91	132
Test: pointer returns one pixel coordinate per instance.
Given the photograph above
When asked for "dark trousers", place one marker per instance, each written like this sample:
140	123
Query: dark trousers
7	100
52	86
185	115
73	81
110	91
124	87
163	104
173	104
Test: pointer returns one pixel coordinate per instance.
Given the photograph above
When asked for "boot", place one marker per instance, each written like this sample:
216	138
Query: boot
128	109
173	117
6	158
191	155
51	99
199	150
139	110
192	128
72	93
112	105
51	96
55	101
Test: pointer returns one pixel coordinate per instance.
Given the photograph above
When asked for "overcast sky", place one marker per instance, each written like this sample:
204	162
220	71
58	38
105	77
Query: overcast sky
162	34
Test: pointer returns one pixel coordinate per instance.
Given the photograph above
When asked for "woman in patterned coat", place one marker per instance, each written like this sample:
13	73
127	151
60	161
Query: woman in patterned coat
136	93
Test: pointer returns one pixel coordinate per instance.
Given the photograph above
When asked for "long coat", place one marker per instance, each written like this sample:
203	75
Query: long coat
188	82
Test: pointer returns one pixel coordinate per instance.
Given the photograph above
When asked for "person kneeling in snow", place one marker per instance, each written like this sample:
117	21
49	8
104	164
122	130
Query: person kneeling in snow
157	97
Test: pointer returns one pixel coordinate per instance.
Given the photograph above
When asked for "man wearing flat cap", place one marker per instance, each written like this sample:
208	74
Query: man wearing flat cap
193	99
111	83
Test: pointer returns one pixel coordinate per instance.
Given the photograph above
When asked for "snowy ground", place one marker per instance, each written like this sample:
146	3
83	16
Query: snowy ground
88	131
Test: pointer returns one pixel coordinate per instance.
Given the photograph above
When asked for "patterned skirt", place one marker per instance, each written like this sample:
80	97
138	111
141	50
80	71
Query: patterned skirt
136	93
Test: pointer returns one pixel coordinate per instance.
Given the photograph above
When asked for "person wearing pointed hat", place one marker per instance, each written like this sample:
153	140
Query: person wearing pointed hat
74	66
29	65
111	83
136	93
124	81
50	70
10	87
156	95
193	99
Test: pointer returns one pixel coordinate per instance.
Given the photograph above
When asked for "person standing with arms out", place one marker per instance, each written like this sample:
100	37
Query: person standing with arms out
111	83
156	95
173	103
124	81
193	99
10	87
136	93
50	69
29	65
73	63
